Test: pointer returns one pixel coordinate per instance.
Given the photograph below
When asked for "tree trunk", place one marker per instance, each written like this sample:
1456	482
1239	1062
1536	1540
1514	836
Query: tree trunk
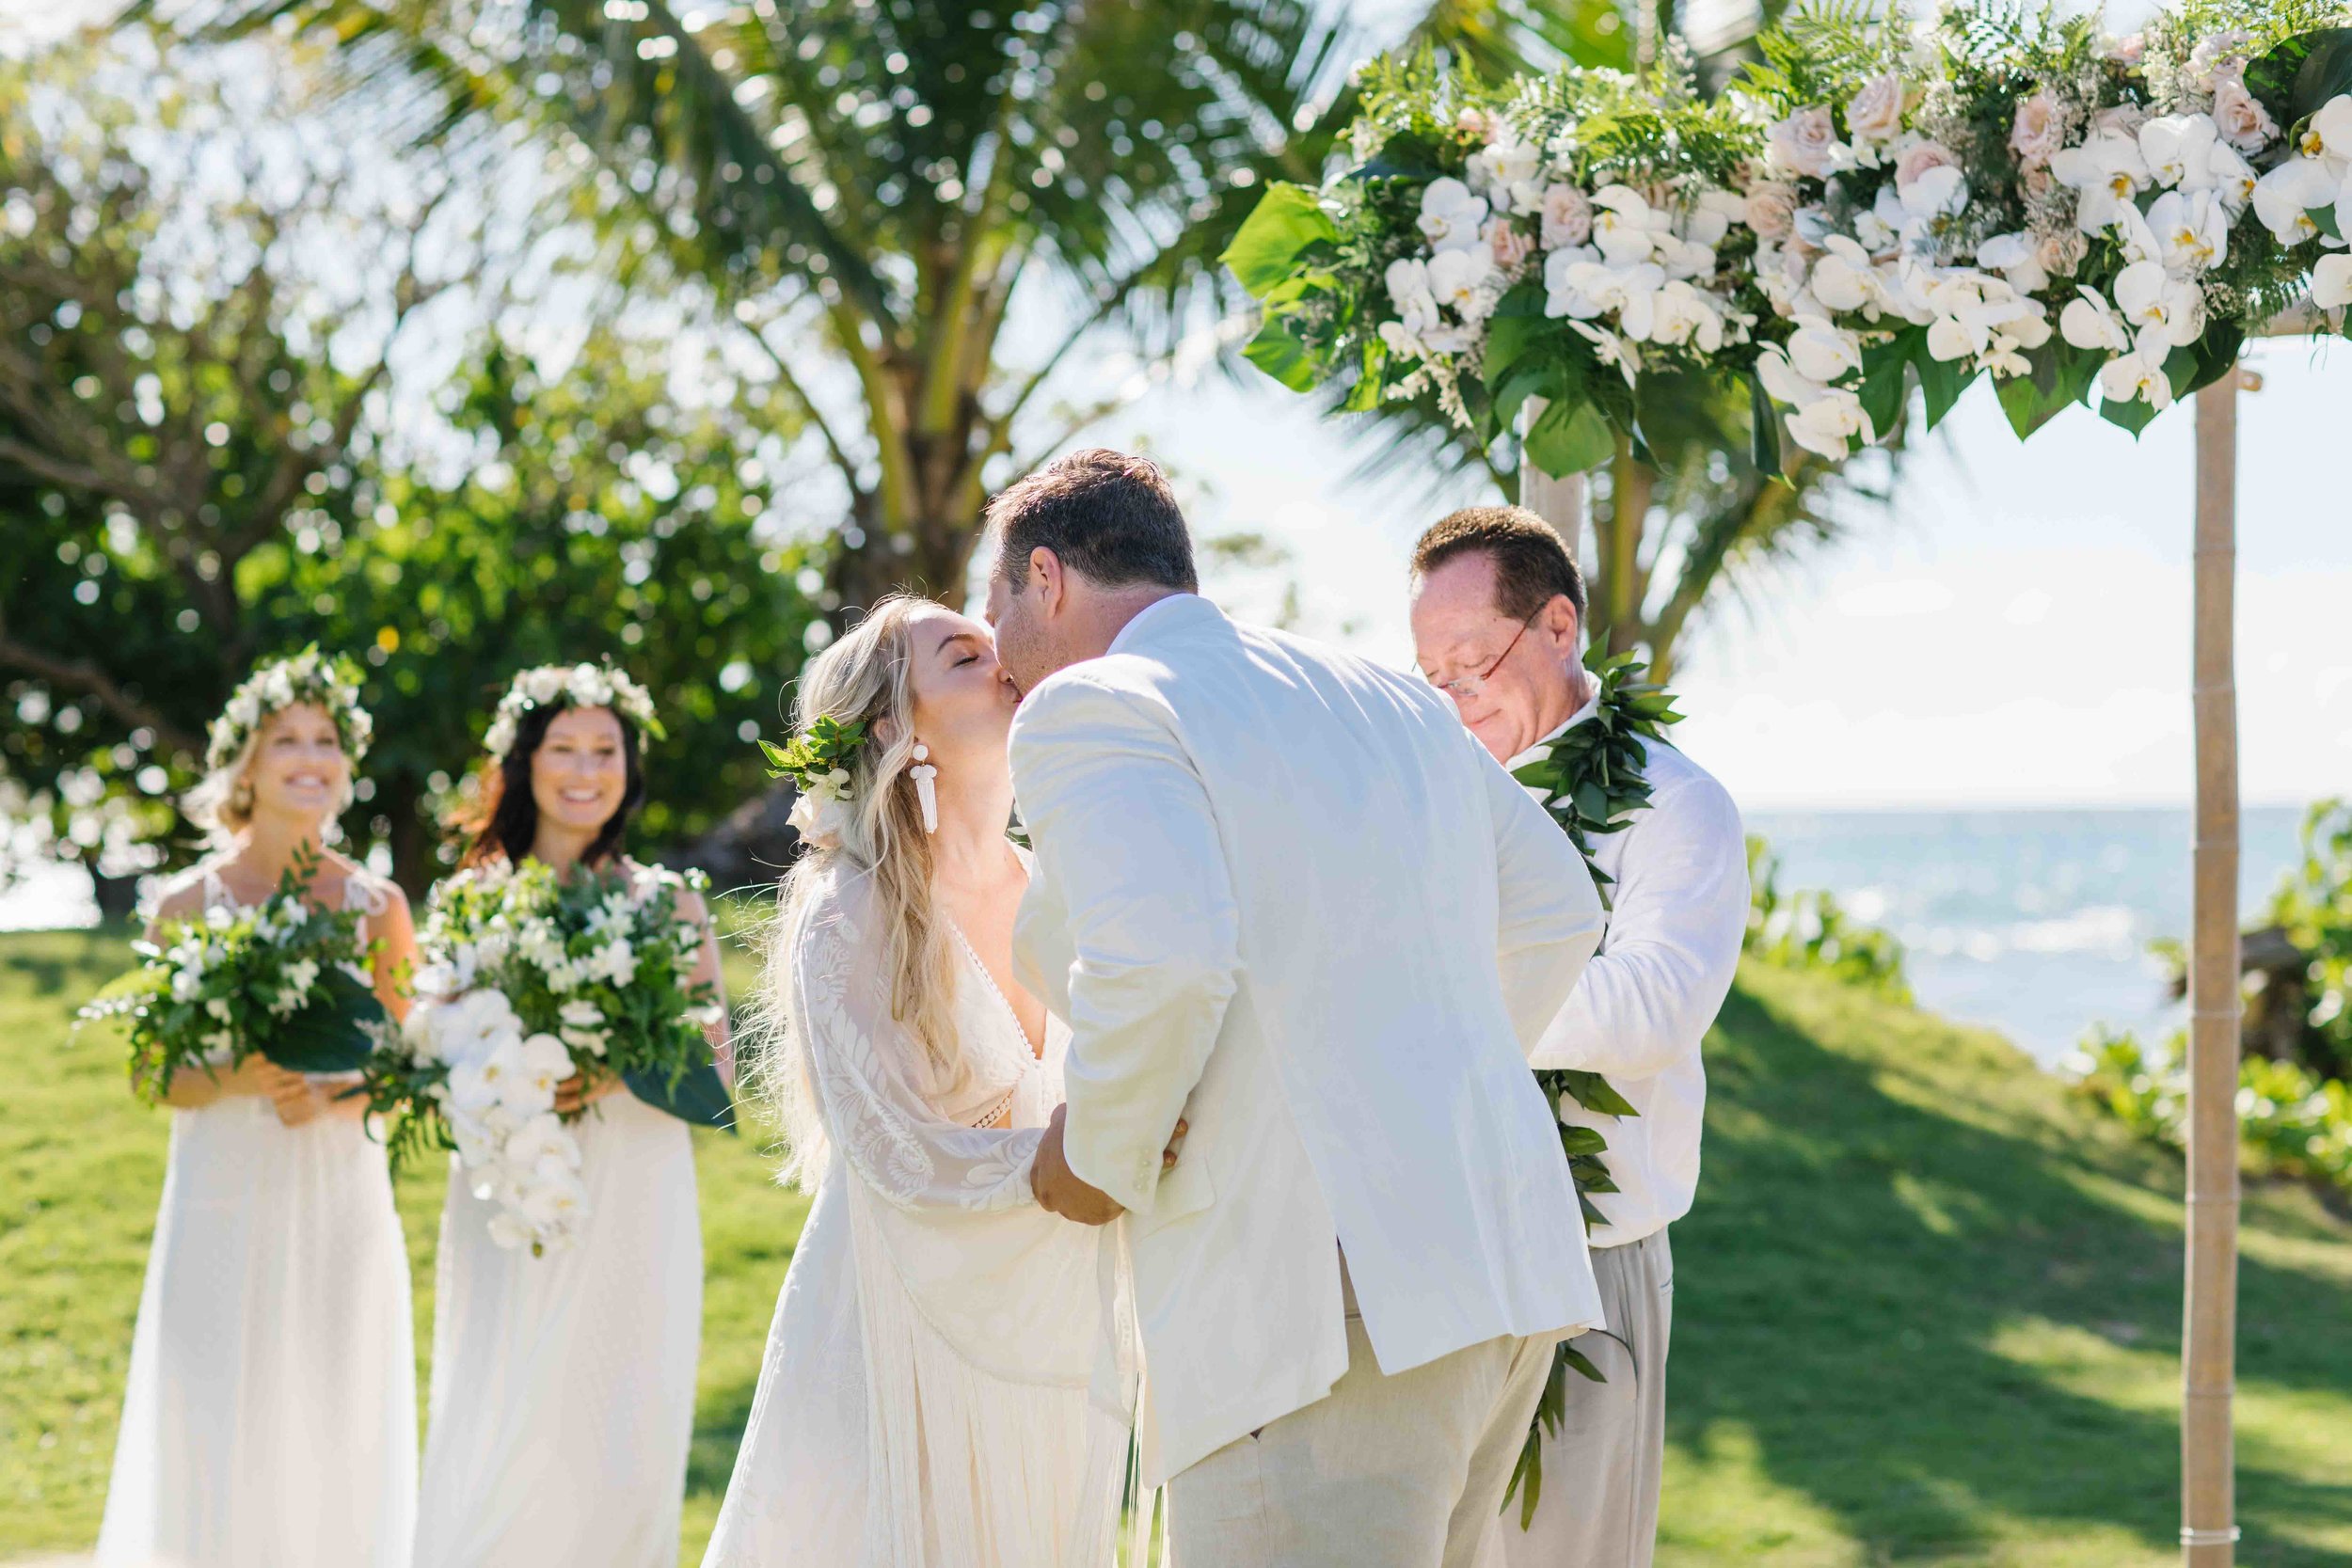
411	841
929	557
1616	595
1557	501
2208	1533
118	897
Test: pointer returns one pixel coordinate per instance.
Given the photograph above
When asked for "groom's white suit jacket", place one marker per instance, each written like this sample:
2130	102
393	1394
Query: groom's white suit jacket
1282	892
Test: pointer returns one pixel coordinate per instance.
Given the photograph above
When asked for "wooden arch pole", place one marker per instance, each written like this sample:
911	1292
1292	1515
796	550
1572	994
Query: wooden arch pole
1557	501
2209	1329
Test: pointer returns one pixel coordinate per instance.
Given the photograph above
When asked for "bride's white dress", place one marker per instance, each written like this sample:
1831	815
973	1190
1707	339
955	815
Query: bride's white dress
924	1399
270	1421
563	1396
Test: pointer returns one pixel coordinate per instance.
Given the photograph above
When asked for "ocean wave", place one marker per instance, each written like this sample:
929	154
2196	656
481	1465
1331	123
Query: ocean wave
2106	930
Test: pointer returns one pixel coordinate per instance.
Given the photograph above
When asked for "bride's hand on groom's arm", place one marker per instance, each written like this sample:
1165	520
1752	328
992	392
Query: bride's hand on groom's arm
1060	1190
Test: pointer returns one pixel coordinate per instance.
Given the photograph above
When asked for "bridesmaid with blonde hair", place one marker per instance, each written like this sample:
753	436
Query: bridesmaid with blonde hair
270	1418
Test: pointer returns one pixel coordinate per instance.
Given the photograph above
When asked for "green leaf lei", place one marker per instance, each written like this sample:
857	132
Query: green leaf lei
1592	779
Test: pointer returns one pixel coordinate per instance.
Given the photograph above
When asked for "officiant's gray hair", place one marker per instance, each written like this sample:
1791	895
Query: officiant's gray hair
1532	564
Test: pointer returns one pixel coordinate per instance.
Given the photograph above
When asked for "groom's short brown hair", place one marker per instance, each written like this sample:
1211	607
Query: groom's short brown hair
1103	514
1532	561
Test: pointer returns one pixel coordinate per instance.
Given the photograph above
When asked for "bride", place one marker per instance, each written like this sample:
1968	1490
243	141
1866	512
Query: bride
924	1399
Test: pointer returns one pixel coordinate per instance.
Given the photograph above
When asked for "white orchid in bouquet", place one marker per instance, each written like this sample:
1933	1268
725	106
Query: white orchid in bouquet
494	1091
1877	203
527	981
285	978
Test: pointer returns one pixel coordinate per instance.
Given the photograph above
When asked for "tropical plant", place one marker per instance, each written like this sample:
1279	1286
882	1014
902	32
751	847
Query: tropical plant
2291	1121
2295	958
1810	930
921	214
177	404
2313	911
191	477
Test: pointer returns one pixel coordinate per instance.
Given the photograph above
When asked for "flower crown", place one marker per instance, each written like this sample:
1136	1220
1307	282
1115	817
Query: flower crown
818	763
309	676
569	686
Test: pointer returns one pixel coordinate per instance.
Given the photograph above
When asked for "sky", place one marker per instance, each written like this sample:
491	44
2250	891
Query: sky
2013	630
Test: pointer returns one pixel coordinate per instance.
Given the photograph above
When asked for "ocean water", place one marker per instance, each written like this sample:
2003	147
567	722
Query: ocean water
2036	923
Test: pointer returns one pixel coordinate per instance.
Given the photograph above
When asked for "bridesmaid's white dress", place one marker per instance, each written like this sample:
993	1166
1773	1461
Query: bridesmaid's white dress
924	1402
563	1396
270	1421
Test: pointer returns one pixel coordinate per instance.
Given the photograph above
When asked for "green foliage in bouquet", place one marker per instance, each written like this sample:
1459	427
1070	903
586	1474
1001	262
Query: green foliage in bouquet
602	961
285	978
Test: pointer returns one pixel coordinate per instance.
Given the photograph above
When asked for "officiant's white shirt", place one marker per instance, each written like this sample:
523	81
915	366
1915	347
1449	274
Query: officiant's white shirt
1679	907
1282	892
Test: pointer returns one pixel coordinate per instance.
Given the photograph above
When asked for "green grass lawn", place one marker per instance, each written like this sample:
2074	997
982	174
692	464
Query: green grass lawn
1928	1306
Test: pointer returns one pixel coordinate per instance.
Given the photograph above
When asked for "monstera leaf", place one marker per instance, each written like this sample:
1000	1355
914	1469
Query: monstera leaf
2294	80
331	1034
695	1097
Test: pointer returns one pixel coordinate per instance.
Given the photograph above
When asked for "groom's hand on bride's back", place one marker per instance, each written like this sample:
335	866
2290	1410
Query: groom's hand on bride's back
1060	1190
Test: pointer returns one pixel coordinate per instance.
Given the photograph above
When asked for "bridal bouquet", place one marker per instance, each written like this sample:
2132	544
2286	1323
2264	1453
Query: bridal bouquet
1995	191
285	978
527	981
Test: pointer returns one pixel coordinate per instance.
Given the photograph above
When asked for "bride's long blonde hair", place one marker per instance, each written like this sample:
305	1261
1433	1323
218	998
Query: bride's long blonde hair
863	675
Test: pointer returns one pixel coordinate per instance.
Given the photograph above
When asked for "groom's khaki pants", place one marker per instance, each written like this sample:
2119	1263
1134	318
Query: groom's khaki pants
1383	1472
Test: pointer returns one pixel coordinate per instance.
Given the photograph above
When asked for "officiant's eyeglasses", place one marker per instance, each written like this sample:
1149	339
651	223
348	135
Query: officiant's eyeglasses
1463	688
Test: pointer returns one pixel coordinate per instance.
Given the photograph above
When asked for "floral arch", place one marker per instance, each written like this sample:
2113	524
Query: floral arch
1995	192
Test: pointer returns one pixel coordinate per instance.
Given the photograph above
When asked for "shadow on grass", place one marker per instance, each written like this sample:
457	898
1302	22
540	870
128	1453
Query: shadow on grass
55	962
720	1416
1855	1255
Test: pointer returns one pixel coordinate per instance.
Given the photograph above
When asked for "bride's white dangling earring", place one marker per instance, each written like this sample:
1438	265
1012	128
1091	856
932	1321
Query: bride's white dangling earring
926	792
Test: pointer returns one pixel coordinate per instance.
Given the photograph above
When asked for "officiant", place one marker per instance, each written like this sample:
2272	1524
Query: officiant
1498	613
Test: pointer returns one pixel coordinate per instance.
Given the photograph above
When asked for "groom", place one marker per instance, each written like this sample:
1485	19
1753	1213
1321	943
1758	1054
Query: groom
1282	895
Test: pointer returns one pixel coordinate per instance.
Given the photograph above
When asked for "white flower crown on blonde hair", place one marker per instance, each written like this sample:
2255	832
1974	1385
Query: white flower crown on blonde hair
569	686
309	676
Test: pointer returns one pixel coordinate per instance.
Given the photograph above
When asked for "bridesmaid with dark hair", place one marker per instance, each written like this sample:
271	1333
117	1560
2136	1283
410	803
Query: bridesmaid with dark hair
563	1396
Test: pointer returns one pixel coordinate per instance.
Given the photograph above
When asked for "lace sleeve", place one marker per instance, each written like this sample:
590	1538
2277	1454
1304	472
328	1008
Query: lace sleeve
866	1070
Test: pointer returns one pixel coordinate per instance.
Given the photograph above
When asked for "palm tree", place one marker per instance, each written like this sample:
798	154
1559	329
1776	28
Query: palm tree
933	220
871	185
